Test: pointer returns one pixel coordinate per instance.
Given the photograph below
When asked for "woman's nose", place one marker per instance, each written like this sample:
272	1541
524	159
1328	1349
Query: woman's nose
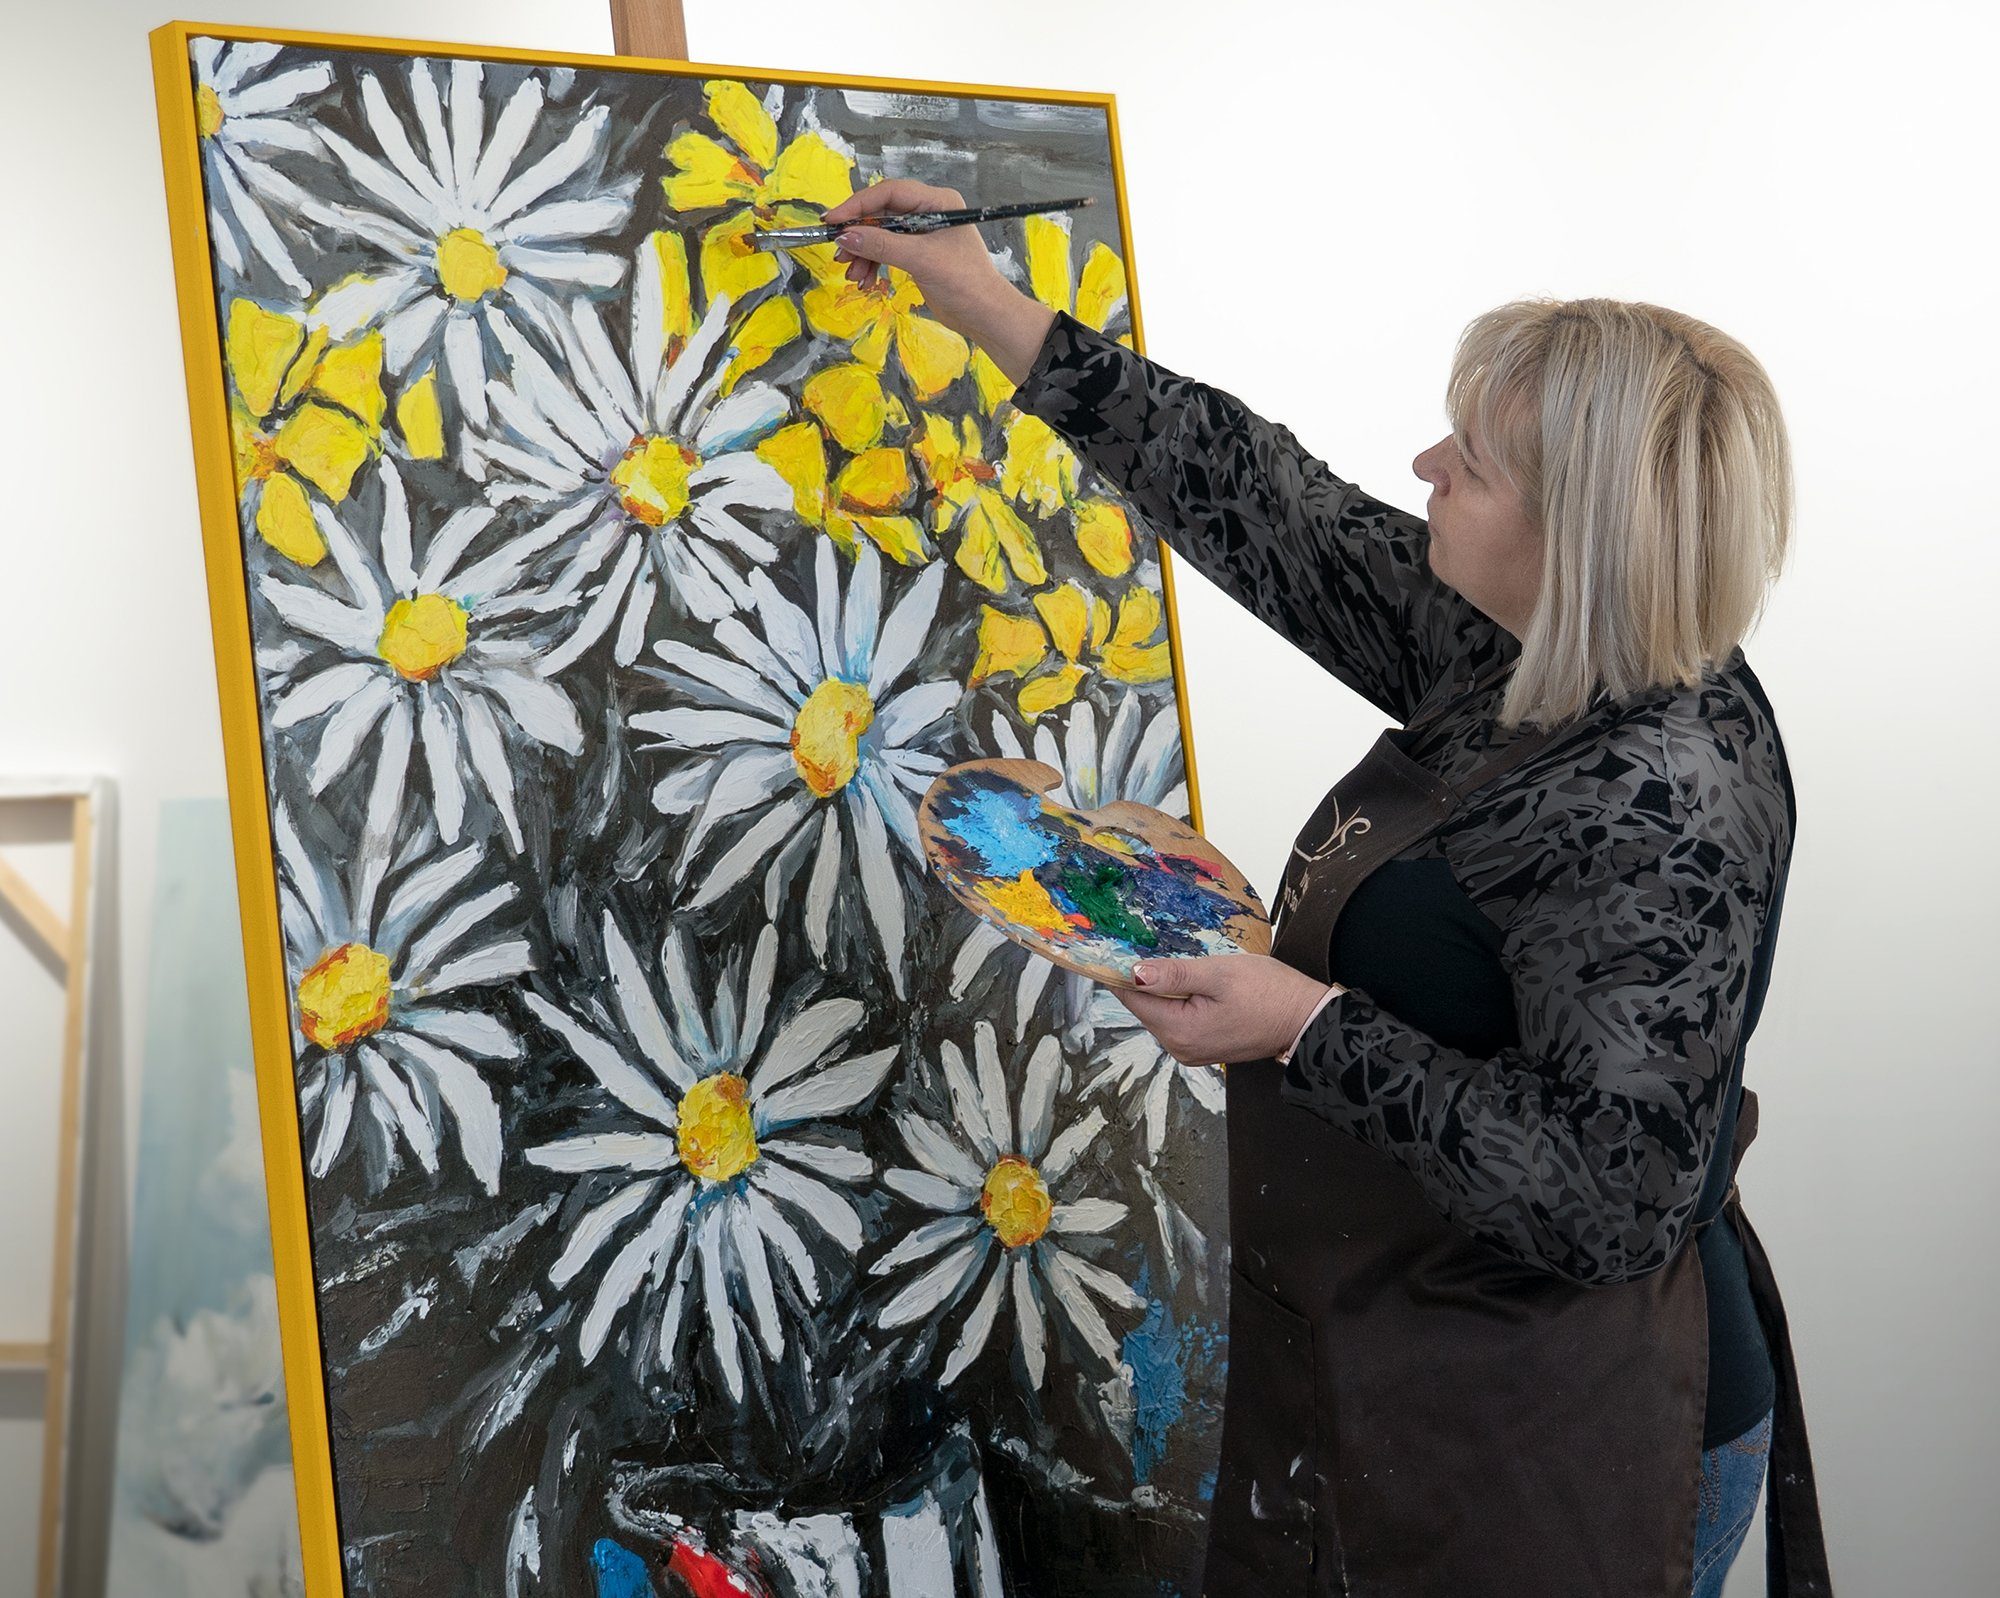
1429	467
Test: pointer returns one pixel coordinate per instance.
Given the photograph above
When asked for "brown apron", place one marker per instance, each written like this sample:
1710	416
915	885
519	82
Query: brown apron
1409	1411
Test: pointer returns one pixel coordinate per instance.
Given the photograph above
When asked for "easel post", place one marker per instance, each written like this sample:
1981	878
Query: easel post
649	28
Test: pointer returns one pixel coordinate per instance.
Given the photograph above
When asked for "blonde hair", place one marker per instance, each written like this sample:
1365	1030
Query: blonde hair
1650	448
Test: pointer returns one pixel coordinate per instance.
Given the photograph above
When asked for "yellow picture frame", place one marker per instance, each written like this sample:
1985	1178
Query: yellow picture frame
230	620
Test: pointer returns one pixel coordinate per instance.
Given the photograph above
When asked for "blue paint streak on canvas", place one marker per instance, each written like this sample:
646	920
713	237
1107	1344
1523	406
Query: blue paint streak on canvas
1001	826
620	1572
1156	1350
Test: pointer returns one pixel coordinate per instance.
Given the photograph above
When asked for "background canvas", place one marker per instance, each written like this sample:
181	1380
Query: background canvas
1811	179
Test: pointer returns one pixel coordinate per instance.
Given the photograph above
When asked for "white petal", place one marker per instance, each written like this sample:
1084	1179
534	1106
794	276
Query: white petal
1063	1152
750	1260
497	963
489	759
429	951
1028	1321
751	849
824	1206
315	695
393	1091
608	1151
1086	1216
607	1063
474	1111
558	165
829	1160
978	1327
911	711
596	1226
1038	1098
833	1091
993	1086
441	750
932	1192
345	729
694	727
904	632
1062	1280
745	416
935	1288
966	1103
938	1154
622	1276
473	1031
924	1240
772	1223
721	1318
639	1010
882	888
804	1040
510	135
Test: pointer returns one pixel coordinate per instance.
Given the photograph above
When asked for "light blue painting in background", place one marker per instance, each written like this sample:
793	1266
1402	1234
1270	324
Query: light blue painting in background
204	1496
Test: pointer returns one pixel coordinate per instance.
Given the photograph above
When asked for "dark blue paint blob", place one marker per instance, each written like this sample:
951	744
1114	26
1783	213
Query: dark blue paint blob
620	1572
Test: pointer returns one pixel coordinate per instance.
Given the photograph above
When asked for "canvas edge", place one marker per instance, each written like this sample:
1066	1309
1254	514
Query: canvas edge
249	816
242	738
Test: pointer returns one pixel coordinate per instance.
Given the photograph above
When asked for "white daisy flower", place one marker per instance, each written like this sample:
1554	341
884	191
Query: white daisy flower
807	734
1138	759
381	1032
474	244
645	459
240	113
714	1156
1007	1209
426	656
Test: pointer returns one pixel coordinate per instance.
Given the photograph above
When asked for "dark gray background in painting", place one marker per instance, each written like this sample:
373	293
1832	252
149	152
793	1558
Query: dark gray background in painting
434	1299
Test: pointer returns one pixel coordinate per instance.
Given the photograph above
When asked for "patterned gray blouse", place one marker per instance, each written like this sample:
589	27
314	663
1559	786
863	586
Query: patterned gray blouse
1630	865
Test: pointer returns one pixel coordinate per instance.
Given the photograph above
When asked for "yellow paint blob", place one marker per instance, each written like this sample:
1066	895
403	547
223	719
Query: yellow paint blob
826	738
345	996
468	266
1024	902
716	1136
422	636
207	111
652	479
1015	1201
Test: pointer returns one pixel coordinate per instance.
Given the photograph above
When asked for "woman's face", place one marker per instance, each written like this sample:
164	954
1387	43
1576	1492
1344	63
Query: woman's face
1484	543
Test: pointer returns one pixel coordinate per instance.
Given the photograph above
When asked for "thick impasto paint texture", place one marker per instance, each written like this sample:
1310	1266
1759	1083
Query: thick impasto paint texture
701	1200
1103	898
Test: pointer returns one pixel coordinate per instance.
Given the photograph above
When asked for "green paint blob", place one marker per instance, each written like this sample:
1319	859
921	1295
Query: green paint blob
1098	893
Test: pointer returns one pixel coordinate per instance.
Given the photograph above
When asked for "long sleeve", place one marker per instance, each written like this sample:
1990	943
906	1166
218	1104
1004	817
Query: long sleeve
1342	576
1582	1150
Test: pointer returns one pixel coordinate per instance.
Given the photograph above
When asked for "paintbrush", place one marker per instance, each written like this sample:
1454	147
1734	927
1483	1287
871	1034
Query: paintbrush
790	238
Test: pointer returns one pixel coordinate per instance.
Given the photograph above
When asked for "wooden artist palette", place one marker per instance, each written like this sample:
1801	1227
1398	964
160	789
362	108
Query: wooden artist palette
1096	891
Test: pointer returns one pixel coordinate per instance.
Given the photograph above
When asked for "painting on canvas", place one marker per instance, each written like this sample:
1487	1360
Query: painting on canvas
688	1196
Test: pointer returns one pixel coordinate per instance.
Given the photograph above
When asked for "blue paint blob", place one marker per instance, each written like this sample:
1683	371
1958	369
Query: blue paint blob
1002	826
1155	1349
620	1572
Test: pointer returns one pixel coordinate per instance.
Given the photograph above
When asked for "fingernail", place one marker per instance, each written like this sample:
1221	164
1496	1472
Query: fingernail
1142	974
851	239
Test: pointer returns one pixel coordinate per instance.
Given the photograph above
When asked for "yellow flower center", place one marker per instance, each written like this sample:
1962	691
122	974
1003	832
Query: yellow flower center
207	111
1015	1201
826	738
260	456
468	266
345	996
652	479
422	636
717	1139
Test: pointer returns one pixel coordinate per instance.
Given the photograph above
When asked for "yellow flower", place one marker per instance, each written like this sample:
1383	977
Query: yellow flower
754	339
888	309
993	539
1048	650
764	186
1091	297
303	411
869	498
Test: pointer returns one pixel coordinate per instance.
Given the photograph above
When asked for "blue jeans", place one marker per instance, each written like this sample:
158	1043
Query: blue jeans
1731	1477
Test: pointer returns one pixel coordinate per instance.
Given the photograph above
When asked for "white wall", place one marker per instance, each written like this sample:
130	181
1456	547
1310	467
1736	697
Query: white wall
1814	179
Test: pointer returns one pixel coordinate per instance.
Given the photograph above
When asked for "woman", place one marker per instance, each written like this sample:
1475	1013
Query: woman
1484	1335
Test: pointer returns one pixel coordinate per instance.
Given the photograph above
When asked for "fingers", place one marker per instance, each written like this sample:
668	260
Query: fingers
895	195
1175	978
877	244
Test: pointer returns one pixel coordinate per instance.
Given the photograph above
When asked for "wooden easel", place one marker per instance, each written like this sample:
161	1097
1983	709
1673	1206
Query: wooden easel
63	943
649	28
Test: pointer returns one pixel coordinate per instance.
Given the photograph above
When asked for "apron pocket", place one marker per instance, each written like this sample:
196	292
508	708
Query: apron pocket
1261	1525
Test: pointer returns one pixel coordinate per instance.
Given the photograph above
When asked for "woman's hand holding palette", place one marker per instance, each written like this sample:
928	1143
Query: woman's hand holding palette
1096	891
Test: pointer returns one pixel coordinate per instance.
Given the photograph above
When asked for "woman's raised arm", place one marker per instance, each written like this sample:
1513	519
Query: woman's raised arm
1341	575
